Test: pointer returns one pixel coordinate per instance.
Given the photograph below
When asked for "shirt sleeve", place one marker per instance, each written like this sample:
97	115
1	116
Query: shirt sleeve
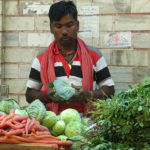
34	80
103	76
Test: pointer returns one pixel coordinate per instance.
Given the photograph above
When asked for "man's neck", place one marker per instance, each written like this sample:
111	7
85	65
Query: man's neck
69	48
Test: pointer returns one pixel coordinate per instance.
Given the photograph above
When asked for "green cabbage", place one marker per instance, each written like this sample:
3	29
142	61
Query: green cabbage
49	119
7	104
36	110
58	128
63	137
69	115
63	89
21	112
74	128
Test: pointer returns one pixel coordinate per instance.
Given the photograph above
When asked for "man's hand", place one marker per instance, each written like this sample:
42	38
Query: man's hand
50	95
81	96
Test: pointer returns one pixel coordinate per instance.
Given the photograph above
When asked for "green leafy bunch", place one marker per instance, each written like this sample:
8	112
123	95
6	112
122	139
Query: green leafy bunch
124	119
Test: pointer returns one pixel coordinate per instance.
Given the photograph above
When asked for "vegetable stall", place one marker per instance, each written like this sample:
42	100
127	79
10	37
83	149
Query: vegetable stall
121	122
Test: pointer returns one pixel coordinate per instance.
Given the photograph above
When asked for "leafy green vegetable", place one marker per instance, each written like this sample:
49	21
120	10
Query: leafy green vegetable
49	119
20	112
7	104
63	137
63	89
73	128
2	112
36	110
70	114
58	128
123	122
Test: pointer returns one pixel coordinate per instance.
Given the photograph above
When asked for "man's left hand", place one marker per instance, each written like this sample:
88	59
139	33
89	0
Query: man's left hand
81	96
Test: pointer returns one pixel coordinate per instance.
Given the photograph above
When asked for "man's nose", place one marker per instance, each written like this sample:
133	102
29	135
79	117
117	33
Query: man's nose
64	31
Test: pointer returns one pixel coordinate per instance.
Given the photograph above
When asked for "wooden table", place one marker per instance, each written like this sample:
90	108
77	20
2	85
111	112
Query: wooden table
24	147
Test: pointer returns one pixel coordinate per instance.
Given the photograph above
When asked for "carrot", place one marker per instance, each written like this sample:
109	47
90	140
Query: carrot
45	136
20	118
27	126
31	124
4	139
15	126
10	116
42	133
13	132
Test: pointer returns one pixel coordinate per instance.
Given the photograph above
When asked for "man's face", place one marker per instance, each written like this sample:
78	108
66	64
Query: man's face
65	30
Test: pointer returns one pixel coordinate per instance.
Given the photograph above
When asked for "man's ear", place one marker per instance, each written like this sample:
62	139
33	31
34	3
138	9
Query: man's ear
51	28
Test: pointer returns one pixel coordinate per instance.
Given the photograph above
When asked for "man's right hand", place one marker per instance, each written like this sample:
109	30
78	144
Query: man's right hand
50	95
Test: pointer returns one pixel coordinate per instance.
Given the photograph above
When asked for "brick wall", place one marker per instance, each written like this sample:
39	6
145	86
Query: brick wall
119	28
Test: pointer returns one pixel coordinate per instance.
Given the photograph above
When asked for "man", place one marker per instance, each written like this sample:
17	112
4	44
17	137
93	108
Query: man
68	58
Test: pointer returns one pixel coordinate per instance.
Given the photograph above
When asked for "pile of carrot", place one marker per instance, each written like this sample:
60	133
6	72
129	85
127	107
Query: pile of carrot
17	129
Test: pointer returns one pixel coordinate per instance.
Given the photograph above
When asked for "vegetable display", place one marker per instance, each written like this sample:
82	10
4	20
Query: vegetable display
17	129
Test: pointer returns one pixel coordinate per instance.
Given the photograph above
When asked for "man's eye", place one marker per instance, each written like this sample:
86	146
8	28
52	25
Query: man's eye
69	25
58	26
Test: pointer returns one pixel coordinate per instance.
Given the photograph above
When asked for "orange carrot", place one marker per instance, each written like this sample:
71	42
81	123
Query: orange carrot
45	136
20	118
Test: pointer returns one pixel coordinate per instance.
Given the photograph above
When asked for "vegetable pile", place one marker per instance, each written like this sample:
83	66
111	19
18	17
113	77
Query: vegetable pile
18	129
122	122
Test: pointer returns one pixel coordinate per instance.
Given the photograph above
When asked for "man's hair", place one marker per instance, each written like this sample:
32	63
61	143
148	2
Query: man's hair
62	8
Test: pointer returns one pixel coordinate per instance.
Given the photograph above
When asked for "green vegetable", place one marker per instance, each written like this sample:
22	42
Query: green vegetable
122	122
2	112
36	110
63	137
63	89
49	119
20	112
69	115
84	121
73	128
7	104
58	128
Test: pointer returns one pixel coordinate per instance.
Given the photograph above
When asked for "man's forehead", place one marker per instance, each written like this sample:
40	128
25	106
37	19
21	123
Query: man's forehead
65	18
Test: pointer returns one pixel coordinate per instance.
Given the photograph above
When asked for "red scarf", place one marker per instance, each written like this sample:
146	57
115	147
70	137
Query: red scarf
48	72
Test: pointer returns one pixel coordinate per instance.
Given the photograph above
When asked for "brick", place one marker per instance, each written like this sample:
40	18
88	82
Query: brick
92	41
107	55
19	23
98	23
141	40
25	55
11	7
1	23
36	39
24	70
0	41
130	58
105	23
132	22
121	87
140	6
0	7
113	6
23	101
42	23
33	7
121	74
140	74
11	71
10	39
16	86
